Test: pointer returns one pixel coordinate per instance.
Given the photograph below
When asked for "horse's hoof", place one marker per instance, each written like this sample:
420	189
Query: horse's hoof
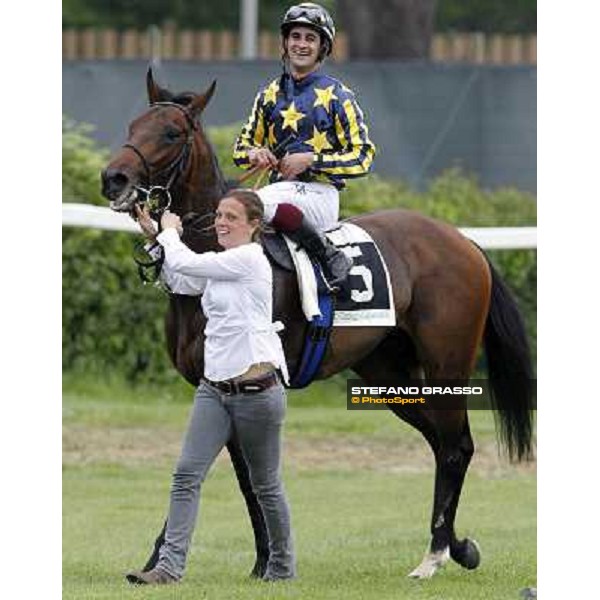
430	564
259	569
466	553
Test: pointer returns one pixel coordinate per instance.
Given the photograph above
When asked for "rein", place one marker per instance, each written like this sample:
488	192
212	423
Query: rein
150	259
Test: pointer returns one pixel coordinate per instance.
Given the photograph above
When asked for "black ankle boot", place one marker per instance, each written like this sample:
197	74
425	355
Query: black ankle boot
336	265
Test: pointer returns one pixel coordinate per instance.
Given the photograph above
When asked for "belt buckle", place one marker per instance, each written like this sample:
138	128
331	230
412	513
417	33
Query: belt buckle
228	388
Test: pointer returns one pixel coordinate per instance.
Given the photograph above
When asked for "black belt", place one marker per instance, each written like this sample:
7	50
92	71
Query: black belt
246	386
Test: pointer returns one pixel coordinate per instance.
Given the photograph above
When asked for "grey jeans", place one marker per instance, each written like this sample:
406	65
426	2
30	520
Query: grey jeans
257	419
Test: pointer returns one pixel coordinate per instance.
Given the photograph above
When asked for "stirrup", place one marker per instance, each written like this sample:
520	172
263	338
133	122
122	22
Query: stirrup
335	283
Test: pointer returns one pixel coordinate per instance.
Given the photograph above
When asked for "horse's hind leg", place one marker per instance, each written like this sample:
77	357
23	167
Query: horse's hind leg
453	448
447	337
465	552
448	435
394	359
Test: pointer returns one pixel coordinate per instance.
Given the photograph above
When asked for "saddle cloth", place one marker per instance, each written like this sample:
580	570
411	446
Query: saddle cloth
370	300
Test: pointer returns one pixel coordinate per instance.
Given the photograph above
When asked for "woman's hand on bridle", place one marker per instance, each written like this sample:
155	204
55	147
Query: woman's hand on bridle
170	219
146	223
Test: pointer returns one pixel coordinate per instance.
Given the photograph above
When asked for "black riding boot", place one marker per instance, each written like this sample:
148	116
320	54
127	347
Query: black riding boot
336	265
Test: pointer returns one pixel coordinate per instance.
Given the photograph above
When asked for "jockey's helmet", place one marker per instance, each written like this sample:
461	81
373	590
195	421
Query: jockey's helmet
311	15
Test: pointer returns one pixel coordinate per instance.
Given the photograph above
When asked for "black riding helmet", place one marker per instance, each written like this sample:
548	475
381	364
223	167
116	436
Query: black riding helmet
310	15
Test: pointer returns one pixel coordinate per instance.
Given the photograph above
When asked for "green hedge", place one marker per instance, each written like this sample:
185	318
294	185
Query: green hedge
113	325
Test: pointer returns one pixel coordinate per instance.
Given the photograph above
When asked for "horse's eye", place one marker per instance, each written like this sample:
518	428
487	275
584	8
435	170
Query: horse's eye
172	135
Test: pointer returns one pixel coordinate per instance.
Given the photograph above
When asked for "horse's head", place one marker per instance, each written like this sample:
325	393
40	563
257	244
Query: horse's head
158	149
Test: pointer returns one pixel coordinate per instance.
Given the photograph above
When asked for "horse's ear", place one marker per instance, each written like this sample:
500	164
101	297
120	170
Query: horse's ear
155	92
201	100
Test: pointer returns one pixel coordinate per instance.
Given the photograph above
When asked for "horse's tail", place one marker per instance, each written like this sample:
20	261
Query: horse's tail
510	370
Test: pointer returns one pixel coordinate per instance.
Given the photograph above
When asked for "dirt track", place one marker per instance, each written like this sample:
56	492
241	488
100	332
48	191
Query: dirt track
146	447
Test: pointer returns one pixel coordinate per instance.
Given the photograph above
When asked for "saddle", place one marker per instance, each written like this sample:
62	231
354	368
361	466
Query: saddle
320	325
367	300
276	250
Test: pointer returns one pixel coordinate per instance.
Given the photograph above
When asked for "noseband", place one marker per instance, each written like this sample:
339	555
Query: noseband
158	196
158	199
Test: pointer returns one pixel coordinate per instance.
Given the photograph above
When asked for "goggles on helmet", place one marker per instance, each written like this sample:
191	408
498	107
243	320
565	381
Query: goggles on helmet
313	14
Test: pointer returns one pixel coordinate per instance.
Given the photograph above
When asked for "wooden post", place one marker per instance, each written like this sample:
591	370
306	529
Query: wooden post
205	45
186	45
275	45
88	44
340	48
108	44
478	48
69	40
531	49
496	49
129	44
143	45
459	47
264	45
515	49
225	46
438	47
169	42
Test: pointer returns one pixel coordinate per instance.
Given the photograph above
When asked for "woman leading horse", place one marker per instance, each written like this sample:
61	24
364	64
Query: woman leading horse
448	300
240	390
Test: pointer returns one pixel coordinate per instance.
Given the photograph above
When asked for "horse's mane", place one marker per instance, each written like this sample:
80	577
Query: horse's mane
182	98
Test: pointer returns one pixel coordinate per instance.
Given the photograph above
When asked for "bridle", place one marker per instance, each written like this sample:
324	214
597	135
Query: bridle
149	260
158	196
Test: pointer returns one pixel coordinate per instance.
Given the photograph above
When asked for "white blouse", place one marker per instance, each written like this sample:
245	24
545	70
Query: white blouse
236	287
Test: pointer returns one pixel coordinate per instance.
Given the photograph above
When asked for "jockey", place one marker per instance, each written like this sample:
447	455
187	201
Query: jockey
307	128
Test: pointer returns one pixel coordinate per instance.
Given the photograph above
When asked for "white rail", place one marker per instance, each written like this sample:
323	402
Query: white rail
490	238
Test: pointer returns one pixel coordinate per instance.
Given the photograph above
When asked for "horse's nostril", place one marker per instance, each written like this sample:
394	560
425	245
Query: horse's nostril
120	180
114	181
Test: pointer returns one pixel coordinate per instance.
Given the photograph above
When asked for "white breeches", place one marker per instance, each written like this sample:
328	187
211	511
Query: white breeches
319	202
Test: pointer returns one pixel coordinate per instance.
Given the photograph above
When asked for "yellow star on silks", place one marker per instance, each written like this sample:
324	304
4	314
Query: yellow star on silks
324	97
271	138
291	117
319	141
271	93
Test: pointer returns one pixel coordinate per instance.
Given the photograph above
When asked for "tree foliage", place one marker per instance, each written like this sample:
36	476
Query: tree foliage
501	16
189	14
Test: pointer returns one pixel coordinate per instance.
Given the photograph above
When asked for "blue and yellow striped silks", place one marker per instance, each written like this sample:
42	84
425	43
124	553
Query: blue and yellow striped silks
316	114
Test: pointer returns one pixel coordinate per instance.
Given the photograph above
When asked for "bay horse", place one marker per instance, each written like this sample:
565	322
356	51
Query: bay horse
448	299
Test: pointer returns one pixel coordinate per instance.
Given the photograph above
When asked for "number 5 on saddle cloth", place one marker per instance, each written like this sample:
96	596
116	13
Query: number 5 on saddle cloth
366	299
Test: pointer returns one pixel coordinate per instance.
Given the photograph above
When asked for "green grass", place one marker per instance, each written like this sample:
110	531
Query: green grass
360	508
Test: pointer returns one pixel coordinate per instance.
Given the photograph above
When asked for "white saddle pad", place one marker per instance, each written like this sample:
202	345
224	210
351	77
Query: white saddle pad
371	301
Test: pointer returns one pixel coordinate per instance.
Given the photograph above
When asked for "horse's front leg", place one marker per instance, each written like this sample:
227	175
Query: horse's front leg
160	540
261	538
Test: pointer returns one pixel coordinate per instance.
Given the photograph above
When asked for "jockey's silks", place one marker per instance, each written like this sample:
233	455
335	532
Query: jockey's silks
315	114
